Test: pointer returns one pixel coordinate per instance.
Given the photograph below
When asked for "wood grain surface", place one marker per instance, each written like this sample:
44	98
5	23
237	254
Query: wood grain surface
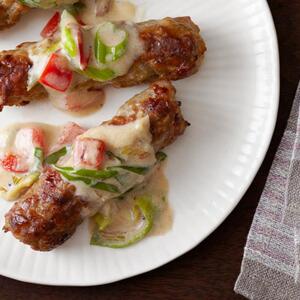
209	271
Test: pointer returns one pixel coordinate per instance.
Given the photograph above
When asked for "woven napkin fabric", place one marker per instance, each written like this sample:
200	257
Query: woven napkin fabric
271	263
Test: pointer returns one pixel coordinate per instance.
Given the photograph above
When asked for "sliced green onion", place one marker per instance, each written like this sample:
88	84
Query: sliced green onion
105	187
69	42
39	157
143	211
161	156
55	156
116	52
39	154
137	170
22	186
101	221
110	43
98	74
99	49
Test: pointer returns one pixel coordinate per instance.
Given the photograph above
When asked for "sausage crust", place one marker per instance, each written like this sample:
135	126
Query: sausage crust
14	67
173	50
49	212
48	215
10	13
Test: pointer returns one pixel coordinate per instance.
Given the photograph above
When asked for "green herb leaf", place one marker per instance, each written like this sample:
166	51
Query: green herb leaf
99	49
161	156
95	174
39	153
99	74
105	187
137	170
75	178
55	156
39	157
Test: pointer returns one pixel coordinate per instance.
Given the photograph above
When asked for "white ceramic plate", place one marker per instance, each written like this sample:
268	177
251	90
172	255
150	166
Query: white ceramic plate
232	105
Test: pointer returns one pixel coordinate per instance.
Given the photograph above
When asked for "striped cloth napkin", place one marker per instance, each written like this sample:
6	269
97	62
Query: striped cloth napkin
271	264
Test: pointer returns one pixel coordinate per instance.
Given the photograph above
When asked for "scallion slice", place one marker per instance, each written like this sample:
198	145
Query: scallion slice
113	236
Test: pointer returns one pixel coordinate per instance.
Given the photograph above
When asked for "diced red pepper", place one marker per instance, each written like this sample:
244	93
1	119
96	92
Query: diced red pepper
69	132
57	75
88	153
27	139
22	157
84	57
13	163
52	26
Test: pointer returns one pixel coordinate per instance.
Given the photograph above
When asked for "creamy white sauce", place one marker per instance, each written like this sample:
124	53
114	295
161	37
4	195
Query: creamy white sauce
132	143
79	98
135	47
39	55
7	145
120	210
119	11
8	135
127	141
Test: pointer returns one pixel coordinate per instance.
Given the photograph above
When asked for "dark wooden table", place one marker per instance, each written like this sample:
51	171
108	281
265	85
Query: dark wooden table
210	270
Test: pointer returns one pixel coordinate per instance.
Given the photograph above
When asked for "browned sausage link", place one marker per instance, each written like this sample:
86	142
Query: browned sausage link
158	102
173	50
49	213
10	12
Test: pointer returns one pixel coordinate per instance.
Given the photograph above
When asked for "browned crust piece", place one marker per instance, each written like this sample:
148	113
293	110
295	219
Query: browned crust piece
10	13
173	50
14	66
49	213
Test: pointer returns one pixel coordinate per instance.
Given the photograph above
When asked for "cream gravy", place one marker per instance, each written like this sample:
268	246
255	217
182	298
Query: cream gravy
136	134
120	10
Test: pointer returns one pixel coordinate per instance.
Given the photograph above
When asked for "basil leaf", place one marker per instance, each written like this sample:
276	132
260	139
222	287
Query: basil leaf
55	156
137	170
95	174
106	187
75	178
